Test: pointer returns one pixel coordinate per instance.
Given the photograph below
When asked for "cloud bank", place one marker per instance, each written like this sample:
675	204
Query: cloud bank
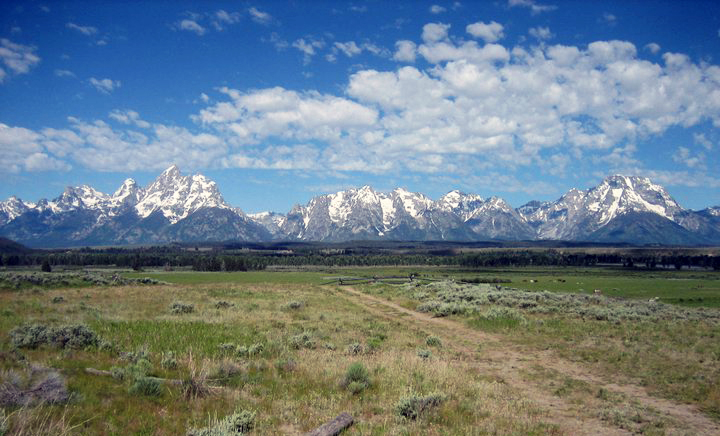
463	106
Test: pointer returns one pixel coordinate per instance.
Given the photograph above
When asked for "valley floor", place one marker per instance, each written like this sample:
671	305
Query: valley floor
281	345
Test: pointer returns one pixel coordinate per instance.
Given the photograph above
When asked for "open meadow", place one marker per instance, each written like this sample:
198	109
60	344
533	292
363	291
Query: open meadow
525	351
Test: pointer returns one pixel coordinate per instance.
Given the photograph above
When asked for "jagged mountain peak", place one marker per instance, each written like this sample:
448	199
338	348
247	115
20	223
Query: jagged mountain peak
173	170
127	185
460	203
177	196
620	194
80	197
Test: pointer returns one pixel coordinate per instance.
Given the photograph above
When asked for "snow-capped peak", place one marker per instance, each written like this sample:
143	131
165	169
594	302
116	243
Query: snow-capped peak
12	208
270	220
620	194
177	196
460	203
127	188
81	197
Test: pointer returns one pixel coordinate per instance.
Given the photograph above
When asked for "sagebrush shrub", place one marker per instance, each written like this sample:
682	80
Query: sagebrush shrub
31	386
240	422
118	373
168	360
294	305
413	405
255	349
425	354
228	347
180	308
107	346
134	356
302	340
286	365
355	348
71	336
225	369
223	304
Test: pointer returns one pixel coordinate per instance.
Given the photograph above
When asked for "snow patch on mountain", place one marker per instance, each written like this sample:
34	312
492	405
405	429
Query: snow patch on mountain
272	221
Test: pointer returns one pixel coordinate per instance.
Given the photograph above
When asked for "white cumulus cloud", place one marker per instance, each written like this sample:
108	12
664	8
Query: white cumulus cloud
405	51
540	33
434	32
653	48
489	32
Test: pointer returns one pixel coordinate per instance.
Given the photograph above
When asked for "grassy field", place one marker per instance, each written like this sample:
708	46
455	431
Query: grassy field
689	288
295	353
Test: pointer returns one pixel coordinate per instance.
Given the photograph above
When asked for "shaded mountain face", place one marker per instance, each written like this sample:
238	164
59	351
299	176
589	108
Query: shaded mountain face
643	228
178	208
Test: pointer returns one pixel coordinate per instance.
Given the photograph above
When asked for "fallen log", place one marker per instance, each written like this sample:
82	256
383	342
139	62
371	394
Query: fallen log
169	381
334	427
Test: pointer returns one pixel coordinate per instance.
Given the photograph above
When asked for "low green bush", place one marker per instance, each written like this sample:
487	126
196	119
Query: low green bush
433	341
356	379
148	386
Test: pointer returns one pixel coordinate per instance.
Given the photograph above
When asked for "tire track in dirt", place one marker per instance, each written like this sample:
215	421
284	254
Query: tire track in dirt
511	361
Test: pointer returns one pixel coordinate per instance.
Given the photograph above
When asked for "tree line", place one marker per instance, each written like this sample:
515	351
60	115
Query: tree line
219	260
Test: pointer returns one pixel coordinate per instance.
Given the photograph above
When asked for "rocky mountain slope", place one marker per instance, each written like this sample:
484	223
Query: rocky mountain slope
174	207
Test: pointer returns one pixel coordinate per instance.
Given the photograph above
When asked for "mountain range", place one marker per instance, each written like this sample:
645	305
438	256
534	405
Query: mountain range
178	208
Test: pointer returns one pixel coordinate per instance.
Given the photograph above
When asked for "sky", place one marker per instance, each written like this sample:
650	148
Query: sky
280	101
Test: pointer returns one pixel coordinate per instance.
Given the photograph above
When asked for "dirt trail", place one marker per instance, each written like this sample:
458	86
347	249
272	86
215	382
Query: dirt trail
510	362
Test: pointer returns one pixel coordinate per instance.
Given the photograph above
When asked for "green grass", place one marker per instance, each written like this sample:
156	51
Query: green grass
295	389
244	277
688	288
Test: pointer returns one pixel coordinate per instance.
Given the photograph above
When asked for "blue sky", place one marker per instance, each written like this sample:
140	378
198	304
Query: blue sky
281	101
